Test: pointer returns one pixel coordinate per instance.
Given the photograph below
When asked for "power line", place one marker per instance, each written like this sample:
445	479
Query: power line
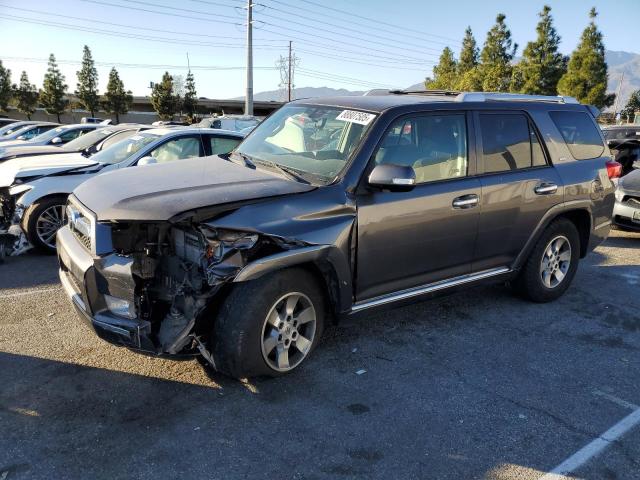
352	60
376	21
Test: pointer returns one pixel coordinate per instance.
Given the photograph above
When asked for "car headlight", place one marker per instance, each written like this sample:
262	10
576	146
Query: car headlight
17	189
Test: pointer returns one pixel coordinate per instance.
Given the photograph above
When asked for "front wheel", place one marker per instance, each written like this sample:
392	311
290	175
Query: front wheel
269	326
552	263
42	221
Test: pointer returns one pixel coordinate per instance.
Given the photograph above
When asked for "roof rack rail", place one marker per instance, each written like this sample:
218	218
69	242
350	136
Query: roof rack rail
512	97
424	92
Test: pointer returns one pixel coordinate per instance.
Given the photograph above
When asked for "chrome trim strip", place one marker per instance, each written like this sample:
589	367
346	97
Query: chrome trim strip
431	287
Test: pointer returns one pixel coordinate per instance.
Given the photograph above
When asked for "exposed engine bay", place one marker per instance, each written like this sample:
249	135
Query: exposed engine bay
178	269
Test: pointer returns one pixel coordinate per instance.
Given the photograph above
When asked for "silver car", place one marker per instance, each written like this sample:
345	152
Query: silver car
54	136
626	212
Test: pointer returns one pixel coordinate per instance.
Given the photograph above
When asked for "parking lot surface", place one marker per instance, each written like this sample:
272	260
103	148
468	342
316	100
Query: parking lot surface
479	384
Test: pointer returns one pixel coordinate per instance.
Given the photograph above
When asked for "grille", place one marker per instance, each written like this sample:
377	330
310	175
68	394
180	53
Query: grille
80	224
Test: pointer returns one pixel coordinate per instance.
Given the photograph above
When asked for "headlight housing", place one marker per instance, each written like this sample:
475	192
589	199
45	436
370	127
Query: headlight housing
620	193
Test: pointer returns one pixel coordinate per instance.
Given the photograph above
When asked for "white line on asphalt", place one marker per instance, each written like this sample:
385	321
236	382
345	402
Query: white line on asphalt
616	400
594	448
29	292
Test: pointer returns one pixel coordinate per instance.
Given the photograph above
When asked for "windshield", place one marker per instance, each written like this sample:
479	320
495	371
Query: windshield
88	139
125	148
315	141
49	134
12	128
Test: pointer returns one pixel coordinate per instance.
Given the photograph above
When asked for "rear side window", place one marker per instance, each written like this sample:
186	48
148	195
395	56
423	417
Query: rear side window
509	142
580	134
220	145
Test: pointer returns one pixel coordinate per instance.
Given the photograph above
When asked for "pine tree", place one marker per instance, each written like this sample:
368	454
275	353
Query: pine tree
496	56
542	64
586	77
5	87
87	87
117	100
53	89
445	73
633	106
26	96
163	99
468	74
190	101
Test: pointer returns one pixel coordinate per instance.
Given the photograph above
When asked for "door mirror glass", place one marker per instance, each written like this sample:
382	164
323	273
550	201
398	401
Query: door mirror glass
393	177
147	161
56	140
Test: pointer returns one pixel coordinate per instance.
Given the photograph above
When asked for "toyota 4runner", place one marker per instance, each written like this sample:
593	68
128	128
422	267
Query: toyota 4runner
335	207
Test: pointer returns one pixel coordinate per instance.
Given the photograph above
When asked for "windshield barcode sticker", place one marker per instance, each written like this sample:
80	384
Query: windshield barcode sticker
352	116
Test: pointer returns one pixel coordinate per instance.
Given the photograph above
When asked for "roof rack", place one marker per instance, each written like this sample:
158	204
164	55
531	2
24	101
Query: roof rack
511	97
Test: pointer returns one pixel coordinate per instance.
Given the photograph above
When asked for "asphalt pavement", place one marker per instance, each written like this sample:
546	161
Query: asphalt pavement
480	384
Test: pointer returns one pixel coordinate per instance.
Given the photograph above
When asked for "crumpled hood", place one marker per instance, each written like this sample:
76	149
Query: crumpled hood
631	182
39	165
161	191
24	151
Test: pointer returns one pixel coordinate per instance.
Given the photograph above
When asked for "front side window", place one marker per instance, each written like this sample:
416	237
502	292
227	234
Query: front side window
435	146
221	145
177	149
315	141
509	142
580	134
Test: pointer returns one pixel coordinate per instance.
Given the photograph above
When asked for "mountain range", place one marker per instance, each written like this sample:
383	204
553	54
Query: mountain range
618	62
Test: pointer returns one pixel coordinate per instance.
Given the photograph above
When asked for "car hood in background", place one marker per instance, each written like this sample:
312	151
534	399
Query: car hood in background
27	150
631	182
161	191
39	166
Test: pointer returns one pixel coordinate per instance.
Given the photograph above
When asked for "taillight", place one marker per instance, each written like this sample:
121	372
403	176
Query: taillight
614	169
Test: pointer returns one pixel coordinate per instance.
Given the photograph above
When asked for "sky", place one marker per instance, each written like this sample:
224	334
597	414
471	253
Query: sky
357	45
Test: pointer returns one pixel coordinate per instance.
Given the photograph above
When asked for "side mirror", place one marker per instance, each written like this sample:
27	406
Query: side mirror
56	140
21	137
147	161
393	177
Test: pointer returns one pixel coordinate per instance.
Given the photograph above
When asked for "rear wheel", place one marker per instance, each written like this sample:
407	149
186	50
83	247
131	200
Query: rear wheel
42	221
269	326
552	263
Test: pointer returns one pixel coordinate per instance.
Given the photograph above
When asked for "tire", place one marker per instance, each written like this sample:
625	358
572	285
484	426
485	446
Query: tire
534	281
245	344
35	220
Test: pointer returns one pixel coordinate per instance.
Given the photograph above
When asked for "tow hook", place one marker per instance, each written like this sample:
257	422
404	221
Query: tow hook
204	352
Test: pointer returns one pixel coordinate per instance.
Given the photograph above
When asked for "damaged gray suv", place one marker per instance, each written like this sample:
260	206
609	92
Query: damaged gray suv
335	207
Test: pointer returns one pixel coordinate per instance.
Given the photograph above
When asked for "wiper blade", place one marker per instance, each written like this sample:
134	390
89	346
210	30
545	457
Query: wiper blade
288	171
245	159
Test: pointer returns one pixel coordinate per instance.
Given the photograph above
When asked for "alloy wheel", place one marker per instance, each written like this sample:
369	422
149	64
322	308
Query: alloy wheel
555	262
288	331
49	222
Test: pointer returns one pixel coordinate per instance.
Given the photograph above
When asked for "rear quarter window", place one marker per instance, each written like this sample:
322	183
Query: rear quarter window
580	134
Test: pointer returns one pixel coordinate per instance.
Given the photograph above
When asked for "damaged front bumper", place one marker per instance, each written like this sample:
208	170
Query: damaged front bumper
83	278
13	240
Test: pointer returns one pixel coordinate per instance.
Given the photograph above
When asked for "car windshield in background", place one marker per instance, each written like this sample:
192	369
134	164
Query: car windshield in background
315	141
49	135
88	139
9	129
125	148
622	133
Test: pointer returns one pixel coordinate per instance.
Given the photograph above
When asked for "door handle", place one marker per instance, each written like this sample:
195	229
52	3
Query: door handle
465	201
546	189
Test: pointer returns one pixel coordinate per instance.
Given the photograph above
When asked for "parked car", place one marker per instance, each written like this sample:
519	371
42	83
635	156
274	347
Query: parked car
244	258
7	121
87	144
626	212
34	191
13	127
57	136
624	141
235	123
25	132
94	120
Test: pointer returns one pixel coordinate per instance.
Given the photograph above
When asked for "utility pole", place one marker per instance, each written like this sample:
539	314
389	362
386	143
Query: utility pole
289	81
248	102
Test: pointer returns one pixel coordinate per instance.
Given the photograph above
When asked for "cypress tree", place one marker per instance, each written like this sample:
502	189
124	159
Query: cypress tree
117	100
498	51
87	87
53	89
586	76
26	96
445	73
6	91
163	99
190	101
542	64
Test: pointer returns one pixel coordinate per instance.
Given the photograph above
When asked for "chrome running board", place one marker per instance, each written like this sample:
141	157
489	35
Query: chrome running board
429	288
